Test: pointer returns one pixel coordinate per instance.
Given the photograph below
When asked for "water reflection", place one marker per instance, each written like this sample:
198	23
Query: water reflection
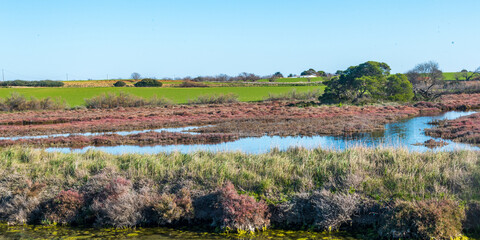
401	134
121	133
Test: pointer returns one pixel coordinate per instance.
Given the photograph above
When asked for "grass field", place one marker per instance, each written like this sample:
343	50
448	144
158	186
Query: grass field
76	96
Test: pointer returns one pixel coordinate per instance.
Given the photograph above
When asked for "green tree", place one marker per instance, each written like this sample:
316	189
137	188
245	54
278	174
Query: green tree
148	82
310	71
356	83
119	84
398	88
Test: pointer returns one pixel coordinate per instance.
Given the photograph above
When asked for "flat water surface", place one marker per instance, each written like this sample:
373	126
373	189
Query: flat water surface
403	134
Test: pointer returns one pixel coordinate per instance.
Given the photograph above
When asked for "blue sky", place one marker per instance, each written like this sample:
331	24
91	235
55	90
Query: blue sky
176	38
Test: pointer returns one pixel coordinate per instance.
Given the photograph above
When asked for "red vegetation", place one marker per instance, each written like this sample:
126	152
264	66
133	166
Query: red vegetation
230	121
64	207
241	212
464	129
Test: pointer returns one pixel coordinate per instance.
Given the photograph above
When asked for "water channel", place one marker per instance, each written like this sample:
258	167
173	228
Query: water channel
403	134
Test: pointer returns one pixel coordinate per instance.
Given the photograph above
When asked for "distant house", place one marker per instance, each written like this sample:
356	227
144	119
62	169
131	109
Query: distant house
308	76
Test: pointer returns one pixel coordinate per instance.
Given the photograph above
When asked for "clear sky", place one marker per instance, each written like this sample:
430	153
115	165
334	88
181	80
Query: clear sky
46	39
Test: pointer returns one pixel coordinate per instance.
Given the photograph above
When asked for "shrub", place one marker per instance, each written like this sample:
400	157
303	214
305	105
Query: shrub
119	84
215	99
321	210
22	83
19	207
64	207
426	219
148	82
241	212
117	205
17	102
294	95
172	208
112	100
472	220
190	84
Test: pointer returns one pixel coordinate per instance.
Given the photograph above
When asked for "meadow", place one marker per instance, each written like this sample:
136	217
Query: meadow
77	96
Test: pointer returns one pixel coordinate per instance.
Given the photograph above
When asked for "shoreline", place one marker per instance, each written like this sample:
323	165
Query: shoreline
310	189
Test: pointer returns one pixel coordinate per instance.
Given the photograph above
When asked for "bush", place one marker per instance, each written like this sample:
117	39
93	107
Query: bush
241	212
18	208
17	102
65	207
321	210
119	84
22	83
148	82
172	208
112	100
294	95
117	205
190	84
215	99
472	220
427	219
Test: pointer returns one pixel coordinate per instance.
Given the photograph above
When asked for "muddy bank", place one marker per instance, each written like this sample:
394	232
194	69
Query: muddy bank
464	129
140	139
394	193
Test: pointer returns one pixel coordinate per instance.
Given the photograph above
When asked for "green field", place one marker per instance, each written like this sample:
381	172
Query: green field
76	96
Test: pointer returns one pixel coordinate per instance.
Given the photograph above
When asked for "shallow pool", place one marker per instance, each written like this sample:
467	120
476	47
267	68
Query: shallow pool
403	134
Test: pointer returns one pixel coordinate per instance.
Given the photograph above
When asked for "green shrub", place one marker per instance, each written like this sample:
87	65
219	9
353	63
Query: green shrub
112	100
398	88
22	83
120	84
17	102
148	82
190	84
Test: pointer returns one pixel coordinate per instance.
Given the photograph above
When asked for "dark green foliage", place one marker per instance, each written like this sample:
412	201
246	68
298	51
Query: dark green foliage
310	71
22	83
148	82
399	88
120	84
357	83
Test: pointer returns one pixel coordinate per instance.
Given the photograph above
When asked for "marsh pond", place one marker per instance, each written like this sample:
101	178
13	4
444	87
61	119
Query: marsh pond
408	134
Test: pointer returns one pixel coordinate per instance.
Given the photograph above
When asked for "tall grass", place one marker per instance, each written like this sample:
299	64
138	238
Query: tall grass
122	99
378	173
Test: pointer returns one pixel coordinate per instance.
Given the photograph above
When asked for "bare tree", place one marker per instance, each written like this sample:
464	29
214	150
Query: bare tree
135	76
467	75
424	78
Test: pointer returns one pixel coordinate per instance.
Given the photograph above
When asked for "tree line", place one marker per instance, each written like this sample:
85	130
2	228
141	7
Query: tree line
372	81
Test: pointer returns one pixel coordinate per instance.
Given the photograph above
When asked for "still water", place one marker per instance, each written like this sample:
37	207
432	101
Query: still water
403	134
53	232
